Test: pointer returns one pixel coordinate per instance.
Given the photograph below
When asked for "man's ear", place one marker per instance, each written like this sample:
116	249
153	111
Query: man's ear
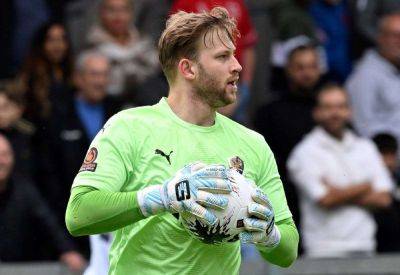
187	69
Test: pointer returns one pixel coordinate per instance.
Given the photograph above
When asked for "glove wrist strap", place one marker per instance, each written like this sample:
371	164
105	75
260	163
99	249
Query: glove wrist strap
274	238
151	201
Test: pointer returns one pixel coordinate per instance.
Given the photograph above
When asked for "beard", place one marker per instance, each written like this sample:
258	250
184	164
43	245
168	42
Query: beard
209	90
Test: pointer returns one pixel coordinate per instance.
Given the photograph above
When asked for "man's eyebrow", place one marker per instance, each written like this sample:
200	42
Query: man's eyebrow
226	51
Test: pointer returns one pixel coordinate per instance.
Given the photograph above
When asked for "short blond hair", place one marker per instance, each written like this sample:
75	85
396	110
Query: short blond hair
183	31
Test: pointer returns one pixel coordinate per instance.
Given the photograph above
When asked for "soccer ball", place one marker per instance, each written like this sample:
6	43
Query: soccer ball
230	220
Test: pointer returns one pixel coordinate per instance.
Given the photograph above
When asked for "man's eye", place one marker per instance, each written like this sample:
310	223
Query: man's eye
224	56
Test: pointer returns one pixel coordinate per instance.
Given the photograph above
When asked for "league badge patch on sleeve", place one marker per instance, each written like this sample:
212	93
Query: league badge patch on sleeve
88	162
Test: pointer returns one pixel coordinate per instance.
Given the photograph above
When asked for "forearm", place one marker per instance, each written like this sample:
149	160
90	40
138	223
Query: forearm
375	200
92	211
339	196
286	252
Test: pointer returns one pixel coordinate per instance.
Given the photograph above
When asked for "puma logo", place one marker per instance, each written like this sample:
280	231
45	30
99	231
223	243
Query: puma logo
159	152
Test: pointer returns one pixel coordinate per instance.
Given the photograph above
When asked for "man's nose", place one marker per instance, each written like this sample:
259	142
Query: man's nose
236	67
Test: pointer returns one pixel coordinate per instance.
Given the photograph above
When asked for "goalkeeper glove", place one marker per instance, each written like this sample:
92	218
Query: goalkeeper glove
190	191
260	228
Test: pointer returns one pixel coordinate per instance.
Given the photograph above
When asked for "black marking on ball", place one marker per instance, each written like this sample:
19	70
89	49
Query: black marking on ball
212	234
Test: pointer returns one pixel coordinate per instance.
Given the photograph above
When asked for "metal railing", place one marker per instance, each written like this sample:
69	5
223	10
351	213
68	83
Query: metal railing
378	265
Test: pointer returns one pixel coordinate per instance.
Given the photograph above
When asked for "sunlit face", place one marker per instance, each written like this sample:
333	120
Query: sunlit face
93	80
333	111
217	70
6	159
304	70
116	16
56	45
389	39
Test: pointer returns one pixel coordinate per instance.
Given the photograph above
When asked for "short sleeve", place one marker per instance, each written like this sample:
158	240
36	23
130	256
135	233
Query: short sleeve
109	161
306	174
269	181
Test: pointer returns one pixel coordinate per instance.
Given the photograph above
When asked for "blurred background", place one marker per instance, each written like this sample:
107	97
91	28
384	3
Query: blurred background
320	81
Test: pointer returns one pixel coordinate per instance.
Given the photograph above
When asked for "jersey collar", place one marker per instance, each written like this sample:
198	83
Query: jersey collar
165	108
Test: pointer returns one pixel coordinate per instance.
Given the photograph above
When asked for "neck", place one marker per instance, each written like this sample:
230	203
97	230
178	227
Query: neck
337	134
87	100
190	108
122	38
301	91
395	62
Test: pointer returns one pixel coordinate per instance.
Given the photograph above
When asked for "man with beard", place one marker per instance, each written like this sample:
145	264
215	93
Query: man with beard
340	177
284	121
132	181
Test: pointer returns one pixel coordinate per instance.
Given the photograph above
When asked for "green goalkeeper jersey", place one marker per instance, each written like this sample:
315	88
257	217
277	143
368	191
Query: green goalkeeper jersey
148	145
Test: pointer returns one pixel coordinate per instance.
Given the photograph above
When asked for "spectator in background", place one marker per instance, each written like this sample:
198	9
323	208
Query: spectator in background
284	121
22	212
133	57
366	14
375	83
19	21
291	19
336	190
15	128
45	79
293	27
333	30
149	17
72	129
388	220
245	48
46	73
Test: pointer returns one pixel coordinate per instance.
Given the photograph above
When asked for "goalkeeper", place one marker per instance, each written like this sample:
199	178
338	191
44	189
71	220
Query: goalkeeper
147	165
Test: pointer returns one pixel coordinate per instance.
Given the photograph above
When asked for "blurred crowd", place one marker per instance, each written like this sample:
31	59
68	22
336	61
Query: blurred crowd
330	111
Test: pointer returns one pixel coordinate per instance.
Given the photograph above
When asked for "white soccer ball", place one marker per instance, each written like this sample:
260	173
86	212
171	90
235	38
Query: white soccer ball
230	220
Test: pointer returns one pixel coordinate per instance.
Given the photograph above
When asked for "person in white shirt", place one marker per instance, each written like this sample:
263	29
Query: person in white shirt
99	249
374	85
339	176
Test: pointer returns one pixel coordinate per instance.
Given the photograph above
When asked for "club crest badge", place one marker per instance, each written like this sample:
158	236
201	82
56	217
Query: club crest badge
237	164
89	163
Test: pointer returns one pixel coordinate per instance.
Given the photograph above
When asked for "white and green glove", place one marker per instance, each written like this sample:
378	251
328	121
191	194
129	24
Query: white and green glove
193	188
260	228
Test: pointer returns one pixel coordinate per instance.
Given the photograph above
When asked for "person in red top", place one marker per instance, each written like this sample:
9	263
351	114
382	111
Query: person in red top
245	48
